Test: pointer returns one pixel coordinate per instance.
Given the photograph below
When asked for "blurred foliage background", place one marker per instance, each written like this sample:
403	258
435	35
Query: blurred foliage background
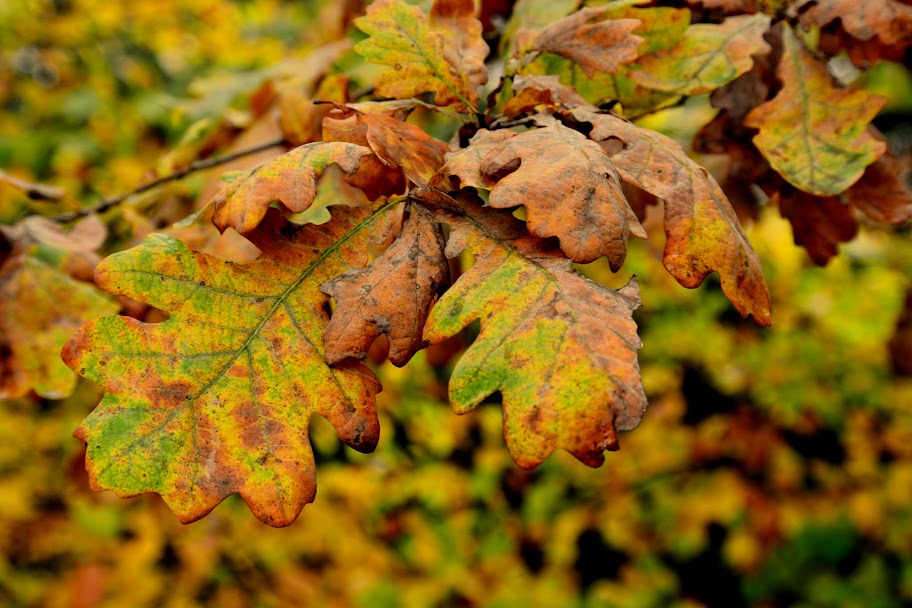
774	467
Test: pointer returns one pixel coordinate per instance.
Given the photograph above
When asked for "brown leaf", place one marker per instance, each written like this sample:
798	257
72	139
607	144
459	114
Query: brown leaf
373	176
703	233
400	144
888	20
534	91
582	38
463	167
569	189
819	223
901	343
882	193
392	296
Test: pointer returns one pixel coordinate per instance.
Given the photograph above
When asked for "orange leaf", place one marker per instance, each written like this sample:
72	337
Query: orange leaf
392	296
569	189
290	179
580	37
703	232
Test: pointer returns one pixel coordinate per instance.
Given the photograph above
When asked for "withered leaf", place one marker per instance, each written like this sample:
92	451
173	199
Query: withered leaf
882	193
464	48
290	179
216	400
819	223
397	144
558	347
569	189
392	296
703	232
463	167
888	20
814	134
707	57
585	39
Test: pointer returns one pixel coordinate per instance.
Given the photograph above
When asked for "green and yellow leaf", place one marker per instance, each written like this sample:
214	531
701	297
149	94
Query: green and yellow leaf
216	400
813	133
707	57
420	51
560	349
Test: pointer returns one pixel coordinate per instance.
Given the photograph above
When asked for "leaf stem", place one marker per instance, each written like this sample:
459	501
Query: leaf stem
199	165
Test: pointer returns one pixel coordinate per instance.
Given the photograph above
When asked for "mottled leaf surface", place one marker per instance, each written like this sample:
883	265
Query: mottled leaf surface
584	38
569	189
707	57
290	179
42	303
888	20
813	133
216	400
401	36
703	232
391	297
559	348
464	48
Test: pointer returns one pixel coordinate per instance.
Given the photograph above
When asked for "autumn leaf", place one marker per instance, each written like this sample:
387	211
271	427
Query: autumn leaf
703	233
819	223
216	400
398	144
534	91
889	21
463	167
707	57
569	189
882	193
814	134
290	179
583	38
559	348
392	296
421	52
463	46
659	27
42	302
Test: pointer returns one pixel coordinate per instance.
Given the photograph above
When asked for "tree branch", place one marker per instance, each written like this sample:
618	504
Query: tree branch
36	192
199	165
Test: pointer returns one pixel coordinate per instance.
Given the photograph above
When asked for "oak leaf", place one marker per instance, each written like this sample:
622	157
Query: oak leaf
401	36
882	193
703	232
707	57
814	134
216	400
290	179
392	296
587	40
888	20
819	223
558	347
569	189
42	302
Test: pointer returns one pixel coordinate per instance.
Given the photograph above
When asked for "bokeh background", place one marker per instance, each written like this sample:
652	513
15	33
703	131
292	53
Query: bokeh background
773	468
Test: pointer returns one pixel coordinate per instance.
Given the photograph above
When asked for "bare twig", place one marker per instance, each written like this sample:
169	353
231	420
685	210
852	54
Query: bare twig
36	192
113	201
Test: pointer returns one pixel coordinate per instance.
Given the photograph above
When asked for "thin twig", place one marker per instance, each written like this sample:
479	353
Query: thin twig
506	124
36	192
199	165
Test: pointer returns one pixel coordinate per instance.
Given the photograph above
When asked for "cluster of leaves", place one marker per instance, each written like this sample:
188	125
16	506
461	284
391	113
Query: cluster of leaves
216	400
772	469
